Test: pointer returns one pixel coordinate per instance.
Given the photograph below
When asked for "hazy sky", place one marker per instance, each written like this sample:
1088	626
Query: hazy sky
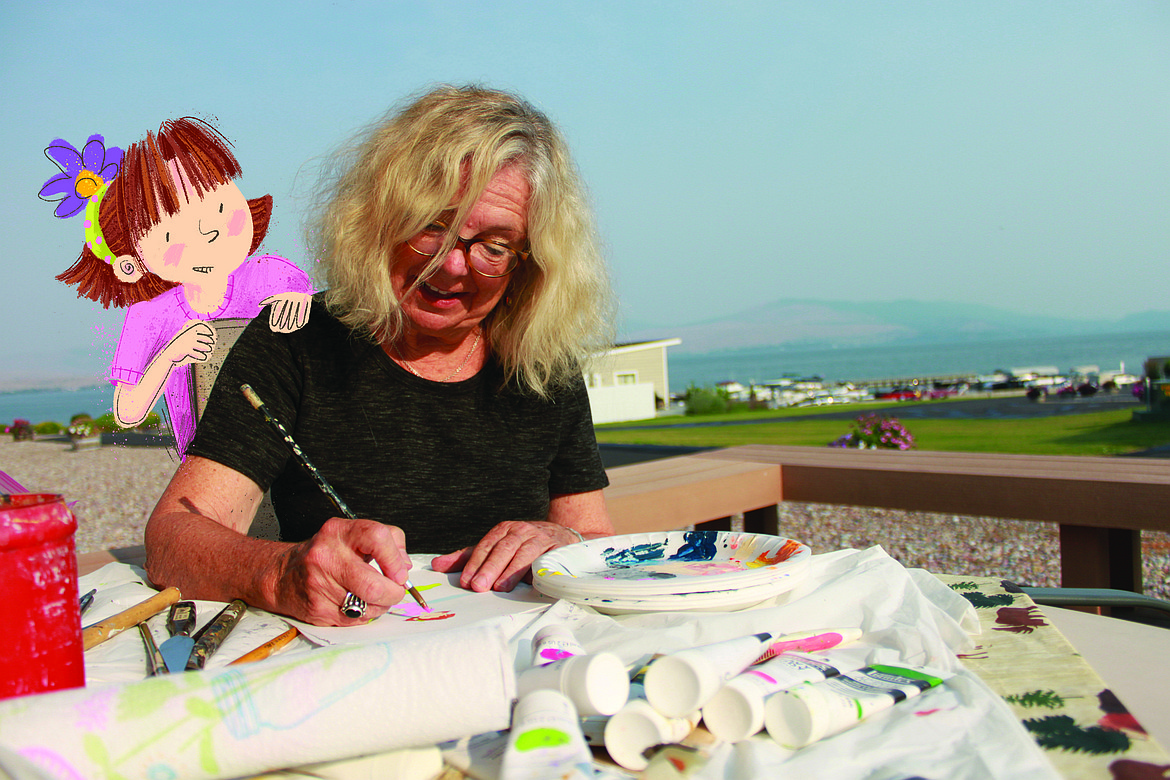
1015	154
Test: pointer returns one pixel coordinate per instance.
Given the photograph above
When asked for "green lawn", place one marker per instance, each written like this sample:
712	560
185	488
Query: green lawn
1103	433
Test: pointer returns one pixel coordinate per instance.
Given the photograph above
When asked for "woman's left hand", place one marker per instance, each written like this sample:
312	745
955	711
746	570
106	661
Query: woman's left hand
503	557
505	554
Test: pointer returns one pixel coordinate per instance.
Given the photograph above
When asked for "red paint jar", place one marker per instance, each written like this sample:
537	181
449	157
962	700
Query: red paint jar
41	649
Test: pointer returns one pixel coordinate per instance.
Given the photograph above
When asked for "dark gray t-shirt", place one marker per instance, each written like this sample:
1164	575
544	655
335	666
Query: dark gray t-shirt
445	461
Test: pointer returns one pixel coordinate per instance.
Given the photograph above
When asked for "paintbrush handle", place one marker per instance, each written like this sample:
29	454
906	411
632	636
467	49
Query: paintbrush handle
268	648
112	626
212	635
354	606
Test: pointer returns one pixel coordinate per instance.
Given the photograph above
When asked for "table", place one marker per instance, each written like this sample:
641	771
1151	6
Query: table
1020	654
1088	728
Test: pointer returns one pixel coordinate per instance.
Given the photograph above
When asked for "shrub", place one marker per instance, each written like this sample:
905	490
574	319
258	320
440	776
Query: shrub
876	431
706	400
48	428
80	417
21	430
106	423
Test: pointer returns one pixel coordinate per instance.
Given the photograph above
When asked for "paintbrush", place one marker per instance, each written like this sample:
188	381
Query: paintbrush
211	636
353	606
268	648
112	626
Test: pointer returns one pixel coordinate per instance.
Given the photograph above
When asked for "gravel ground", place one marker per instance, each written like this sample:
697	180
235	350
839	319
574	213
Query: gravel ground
116	488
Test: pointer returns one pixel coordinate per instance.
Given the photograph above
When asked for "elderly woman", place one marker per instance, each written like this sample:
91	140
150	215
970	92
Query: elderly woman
437	387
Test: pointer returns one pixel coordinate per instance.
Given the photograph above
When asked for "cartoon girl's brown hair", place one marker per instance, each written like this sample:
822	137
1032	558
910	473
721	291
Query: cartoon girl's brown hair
143	192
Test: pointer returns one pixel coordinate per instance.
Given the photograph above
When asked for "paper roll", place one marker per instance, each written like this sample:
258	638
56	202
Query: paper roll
317	706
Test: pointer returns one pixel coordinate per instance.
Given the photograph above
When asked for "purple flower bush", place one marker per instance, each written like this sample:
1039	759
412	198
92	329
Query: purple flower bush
82	173
876	431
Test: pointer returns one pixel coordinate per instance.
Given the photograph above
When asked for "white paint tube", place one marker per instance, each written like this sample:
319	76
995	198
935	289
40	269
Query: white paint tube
638	726
596	684
554	642
736	712
545	740
809	712
682	682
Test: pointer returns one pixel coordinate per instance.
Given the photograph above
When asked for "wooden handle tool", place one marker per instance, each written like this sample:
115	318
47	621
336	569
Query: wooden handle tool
112	626
268	648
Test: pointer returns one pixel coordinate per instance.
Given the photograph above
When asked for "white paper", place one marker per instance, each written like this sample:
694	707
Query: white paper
451	605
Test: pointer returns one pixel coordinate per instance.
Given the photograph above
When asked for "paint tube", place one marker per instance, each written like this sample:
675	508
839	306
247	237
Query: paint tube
638	726
681	683
553	643
596	684
809	712
810	642
736	712
545	740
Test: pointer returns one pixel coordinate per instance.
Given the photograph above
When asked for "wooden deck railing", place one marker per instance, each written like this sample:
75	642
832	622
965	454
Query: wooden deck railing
1100	504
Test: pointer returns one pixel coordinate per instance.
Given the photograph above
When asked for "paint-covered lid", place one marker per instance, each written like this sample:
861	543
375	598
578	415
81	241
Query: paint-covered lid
31	519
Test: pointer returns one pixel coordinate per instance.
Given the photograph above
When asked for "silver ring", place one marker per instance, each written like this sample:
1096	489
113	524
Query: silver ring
353	607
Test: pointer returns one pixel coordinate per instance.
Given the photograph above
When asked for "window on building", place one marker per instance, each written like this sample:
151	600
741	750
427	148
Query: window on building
626	378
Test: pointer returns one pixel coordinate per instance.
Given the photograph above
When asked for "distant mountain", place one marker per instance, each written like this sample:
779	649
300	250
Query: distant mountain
817	324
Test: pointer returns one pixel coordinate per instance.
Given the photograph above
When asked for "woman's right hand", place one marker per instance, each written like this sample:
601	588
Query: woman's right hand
316	574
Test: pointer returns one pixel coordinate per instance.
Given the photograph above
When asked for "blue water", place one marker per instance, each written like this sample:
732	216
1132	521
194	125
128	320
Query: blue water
1108	352
58	405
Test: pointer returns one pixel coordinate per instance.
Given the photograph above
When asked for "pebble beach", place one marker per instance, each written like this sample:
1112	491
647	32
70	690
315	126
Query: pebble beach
116	488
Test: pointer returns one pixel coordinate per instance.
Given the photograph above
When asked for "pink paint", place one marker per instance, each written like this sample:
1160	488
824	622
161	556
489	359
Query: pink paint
551	654
237	221
441	615
173	254
38	577
415	612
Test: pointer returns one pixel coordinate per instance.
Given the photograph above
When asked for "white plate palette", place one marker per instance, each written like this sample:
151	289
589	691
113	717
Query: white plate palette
672	571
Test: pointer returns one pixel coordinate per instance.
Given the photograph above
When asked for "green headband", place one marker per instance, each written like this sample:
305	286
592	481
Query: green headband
93	229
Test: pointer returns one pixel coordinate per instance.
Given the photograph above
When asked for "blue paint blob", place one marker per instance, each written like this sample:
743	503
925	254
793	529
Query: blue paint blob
698	546
632	556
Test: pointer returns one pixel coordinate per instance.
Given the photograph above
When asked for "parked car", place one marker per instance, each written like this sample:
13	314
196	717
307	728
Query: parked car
899	394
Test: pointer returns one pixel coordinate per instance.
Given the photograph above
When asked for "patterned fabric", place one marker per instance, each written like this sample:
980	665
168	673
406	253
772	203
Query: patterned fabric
1083	727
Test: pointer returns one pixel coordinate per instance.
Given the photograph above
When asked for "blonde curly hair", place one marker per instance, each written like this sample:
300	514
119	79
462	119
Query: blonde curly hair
437	154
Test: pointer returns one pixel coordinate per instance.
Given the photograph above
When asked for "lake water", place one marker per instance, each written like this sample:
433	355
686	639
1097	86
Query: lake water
58	405
1108	352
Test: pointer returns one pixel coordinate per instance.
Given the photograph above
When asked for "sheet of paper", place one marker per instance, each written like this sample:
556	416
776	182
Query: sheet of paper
451	607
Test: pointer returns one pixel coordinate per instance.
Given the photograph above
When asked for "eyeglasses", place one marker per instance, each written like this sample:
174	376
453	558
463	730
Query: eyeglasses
486	258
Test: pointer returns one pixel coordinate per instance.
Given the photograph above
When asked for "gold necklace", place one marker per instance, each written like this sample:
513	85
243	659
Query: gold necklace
454	373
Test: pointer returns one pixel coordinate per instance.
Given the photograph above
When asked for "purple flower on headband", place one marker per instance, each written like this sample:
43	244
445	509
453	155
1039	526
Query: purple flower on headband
82	173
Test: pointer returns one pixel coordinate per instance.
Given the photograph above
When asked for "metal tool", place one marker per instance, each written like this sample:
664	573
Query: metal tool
154	660
180	623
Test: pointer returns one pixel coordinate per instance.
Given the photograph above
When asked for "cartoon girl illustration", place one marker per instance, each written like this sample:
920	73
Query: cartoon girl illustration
171	236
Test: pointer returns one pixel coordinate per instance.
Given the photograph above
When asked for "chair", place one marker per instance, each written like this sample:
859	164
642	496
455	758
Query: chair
203	375
1123	604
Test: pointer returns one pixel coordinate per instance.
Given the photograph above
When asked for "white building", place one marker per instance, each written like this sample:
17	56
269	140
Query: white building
629	382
